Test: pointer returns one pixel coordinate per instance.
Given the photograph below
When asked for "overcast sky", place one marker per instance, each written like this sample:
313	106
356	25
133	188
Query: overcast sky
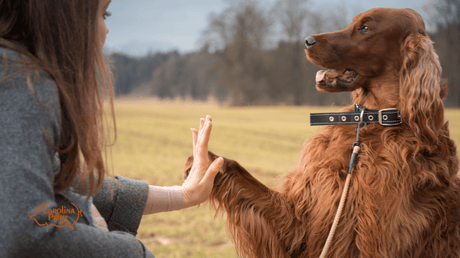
137	26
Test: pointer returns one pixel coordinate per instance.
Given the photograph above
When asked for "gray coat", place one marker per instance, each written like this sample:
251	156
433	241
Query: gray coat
27	167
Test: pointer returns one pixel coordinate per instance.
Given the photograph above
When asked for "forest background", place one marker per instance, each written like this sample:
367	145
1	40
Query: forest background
236	67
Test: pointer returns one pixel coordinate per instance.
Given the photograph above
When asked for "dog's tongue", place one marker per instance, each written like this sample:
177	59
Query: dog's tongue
331	73
320	76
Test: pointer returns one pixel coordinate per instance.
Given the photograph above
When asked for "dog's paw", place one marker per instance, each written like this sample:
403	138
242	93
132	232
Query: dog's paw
188	165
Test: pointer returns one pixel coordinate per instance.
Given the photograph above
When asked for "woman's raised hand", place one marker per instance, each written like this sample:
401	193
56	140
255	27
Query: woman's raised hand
198	185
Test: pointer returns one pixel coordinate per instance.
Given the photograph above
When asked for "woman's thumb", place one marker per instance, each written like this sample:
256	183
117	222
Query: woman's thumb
213	169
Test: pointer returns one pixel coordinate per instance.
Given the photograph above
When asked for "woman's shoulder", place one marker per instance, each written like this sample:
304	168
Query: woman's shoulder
10	58
10	53
24	89
17	72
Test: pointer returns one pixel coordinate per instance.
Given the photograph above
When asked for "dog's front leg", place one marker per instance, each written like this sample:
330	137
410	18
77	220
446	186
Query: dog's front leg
258	218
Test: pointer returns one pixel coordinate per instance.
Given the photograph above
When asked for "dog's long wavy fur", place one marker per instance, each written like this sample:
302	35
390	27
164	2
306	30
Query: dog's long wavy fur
404	198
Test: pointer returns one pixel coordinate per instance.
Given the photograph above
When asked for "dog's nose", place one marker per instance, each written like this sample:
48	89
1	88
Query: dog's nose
310	42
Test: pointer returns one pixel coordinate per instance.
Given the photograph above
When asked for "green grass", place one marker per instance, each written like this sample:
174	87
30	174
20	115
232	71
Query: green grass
154	141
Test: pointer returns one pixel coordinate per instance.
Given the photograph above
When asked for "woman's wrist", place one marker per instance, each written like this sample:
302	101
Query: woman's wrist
187	197
163	198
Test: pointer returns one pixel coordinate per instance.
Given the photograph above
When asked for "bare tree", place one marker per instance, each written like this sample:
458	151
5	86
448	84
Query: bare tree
444	12
328	19
217	35
239	34
292	15
240	17
446	16
252	22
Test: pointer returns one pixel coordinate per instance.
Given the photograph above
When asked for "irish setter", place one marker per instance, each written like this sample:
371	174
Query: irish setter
404	197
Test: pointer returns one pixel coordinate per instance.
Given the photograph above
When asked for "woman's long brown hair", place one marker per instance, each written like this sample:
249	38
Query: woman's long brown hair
61	38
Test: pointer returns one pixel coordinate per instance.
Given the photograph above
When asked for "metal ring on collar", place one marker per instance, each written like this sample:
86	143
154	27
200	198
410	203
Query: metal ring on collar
361	118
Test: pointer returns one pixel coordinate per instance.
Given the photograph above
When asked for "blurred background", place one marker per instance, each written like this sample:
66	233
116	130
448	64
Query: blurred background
175	61
248	52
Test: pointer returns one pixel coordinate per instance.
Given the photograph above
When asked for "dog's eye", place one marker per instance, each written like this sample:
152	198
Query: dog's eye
364	29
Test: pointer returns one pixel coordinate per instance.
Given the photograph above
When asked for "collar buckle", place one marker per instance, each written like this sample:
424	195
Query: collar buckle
383	118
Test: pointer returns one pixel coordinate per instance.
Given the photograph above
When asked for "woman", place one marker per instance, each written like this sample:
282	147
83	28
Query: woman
53	186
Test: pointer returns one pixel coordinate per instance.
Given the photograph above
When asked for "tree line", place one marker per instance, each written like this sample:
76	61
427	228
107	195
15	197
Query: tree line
254	55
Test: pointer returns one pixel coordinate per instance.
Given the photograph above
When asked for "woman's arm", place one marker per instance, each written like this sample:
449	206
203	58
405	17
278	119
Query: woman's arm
121	202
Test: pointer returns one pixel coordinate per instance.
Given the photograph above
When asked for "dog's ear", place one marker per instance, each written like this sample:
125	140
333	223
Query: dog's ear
420	90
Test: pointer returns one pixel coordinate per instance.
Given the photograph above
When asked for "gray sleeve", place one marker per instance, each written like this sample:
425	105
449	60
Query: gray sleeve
26	181
121	202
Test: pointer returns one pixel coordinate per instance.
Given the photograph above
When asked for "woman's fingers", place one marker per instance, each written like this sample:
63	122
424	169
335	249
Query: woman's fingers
202	121
200	149
194	138
204	134
201	146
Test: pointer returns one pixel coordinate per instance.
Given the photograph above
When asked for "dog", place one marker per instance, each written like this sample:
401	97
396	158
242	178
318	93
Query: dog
404	194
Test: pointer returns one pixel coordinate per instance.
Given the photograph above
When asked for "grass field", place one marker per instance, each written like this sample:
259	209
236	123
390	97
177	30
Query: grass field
154	141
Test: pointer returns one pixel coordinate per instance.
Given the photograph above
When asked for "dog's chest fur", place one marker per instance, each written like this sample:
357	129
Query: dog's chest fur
382	197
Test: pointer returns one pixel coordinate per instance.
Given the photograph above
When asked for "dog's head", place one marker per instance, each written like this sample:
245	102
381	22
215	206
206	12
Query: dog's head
370	47
386	57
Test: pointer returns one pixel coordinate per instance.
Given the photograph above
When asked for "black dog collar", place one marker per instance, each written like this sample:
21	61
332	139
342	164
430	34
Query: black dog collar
385	117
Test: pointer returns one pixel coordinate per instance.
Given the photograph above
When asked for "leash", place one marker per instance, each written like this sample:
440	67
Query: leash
362	117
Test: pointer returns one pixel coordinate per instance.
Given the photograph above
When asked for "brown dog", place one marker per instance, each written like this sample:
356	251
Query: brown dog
404	198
